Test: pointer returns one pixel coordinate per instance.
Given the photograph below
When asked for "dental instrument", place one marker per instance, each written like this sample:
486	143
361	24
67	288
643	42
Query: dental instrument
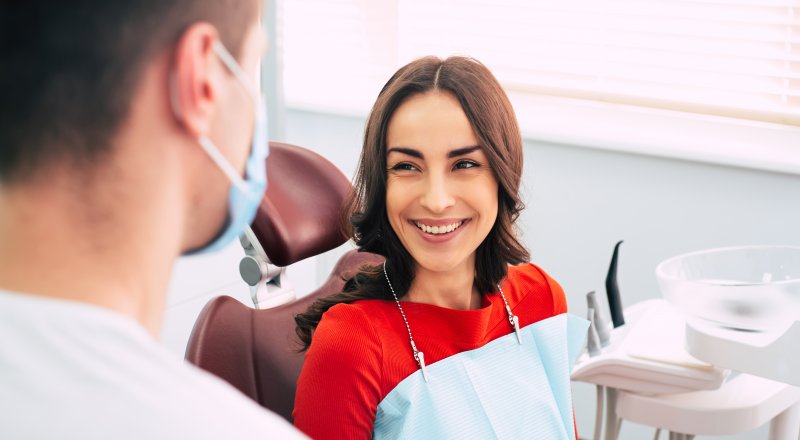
602	326
612	290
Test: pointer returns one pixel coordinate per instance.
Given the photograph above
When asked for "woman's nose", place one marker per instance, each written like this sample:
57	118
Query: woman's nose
437	196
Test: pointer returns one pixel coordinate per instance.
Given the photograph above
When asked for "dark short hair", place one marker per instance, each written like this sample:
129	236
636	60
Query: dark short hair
68	70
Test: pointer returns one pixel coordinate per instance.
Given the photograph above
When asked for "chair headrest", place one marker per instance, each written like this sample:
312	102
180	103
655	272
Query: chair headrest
299	216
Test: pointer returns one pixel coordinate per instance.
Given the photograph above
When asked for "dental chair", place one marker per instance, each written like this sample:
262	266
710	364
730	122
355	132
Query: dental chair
255	349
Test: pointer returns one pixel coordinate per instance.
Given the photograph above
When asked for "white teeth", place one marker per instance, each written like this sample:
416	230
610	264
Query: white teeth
439	229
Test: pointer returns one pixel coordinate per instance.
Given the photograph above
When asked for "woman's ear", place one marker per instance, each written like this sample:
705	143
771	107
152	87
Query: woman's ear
195	78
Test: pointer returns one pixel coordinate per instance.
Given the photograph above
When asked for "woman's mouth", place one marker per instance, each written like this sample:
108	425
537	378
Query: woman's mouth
438	229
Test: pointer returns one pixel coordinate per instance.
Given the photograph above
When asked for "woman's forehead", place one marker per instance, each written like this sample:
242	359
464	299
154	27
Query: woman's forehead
432	123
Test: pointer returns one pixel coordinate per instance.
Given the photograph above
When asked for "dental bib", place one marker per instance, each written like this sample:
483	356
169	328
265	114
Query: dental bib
517	386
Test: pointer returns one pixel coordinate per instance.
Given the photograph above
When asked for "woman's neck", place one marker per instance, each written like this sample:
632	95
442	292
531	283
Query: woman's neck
454	289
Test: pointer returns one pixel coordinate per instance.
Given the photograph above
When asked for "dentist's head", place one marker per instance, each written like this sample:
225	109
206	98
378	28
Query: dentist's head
130	133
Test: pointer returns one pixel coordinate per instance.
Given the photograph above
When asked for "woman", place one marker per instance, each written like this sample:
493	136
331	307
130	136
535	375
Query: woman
436	193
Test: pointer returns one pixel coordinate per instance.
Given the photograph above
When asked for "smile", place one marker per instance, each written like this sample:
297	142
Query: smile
440	229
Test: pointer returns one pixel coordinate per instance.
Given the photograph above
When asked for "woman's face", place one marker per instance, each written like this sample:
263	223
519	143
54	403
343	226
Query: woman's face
441	195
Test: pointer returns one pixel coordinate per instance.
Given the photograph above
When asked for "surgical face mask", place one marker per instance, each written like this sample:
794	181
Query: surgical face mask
246	193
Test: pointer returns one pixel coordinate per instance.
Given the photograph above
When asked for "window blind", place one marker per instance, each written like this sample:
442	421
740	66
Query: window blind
337	54
736	58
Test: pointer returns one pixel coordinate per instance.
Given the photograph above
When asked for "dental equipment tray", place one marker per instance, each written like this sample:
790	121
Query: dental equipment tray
772	355
647	355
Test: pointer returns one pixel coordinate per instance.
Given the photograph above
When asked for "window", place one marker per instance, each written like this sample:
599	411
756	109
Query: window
728	61
337	54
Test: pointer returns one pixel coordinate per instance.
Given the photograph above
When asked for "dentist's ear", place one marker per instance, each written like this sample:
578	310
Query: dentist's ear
194	79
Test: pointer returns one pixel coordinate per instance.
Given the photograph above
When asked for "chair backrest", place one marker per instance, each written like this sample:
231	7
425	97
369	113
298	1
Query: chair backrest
300	214
256	350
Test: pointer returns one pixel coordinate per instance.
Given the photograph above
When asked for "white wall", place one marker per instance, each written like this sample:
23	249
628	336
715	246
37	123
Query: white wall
581	201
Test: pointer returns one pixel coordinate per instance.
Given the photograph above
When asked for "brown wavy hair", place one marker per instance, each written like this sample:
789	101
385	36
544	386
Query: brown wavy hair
490	113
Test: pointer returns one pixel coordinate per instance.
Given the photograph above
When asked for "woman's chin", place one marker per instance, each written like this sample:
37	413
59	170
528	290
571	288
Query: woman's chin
443	265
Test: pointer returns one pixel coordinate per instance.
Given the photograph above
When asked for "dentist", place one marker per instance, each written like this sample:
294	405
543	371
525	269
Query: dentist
131	133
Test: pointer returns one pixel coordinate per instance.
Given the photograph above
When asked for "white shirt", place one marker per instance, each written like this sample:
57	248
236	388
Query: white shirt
70	370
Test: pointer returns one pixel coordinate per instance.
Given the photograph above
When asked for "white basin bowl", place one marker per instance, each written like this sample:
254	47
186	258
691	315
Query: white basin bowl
749	287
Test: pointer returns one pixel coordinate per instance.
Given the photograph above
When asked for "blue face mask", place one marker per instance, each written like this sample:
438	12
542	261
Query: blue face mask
246	193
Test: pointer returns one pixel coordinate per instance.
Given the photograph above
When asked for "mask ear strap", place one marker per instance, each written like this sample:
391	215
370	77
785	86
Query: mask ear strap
223	164
234	67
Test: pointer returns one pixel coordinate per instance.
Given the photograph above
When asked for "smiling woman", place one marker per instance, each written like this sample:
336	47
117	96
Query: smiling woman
436	194
441	195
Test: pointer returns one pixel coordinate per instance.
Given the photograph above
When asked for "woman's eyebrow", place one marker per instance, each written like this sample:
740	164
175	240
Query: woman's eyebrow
418	154
408	151
462	151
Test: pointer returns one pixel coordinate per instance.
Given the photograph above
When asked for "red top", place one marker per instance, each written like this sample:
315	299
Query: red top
361	351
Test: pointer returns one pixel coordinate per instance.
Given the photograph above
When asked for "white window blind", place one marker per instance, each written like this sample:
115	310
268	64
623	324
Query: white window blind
337	54
736	58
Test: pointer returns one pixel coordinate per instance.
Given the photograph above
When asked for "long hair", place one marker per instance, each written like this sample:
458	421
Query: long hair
492	118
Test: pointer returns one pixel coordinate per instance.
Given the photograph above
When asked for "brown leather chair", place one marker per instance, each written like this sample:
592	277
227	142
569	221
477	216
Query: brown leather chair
256	351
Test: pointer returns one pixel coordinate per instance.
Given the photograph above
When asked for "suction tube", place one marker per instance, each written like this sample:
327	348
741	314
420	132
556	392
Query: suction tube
612	290
599	321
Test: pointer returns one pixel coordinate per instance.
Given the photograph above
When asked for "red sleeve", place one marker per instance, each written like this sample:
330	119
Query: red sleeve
338	390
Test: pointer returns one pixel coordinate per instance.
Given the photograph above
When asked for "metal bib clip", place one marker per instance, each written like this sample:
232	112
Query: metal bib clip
421	361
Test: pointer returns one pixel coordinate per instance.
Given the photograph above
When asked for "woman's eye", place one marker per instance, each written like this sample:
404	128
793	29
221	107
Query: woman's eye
464	164
403	166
